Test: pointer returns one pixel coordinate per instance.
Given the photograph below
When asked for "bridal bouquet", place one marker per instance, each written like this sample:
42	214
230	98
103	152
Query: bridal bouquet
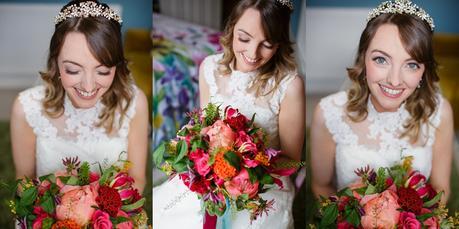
79	198
396	197
223	158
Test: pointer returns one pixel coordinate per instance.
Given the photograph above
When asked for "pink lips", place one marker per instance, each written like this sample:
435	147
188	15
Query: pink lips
391	95
86	97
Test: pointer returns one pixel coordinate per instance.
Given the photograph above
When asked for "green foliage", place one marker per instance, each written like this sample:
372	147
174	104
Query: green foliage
83	174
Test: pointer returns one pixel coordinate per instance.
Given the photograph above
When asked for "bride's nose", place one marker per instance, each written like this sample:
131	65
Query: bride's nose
394	77
88	82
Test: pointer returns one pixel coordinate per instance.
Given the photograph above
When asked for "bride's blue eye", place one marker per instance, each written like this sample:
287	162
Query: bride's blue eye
380	60
413	66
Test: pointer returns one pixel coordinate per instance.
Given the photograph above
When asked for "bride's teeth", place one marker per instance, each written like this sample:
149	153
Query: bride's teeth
249	59
86	94
391	91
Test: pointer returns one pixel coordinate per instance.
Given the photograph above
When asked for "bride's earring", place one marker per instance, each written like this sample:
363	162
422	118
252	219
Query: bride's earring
420	83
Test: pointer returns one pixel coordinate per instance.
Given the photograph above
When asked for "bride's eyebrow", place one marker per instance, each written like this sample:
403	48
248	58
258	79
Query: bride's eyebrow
248	34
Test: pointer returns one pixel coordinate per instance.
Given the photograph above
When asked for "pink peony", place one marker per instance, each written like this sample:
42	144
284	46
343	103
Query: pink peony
77	203
241	184
242	137
408	221
124	225
380	210
220	135
200	159
430	223
101	220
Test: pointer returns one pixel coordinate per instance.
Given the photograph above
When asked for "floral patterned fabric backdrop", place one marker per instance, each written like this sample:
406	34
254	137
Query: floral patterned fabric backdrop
178	49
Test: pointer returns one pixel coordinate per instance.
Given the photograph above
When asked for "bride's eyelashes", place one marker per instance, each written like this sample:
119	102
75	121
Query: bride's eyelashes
380	60
243	40
70	72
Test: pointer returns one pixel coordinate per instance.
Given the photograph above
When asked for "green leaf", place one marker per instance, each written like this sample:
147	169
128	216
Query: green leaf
354	218
233	159
183	132
182	150
73	181
118	220
133	206
433	201
158	154
267	179
252	175
370	189
47	203
180	166
105	175
47	223
330	214
423	217
253	131
29	196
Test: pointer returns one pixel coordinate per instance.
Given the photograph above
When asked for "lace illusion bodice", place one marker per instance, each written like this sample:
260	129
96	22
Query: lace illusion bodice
234	90
75	133
375	141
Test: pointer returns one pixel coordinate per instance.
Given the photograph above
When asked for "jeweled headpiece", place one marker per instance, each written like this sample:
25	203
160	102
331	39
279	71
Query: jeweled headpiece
401	7
87	9
287	3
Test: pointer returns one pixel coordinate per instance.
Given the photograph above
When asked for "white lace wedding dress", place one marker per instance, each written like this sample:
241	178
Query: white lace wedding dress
375	141
174	206
73	134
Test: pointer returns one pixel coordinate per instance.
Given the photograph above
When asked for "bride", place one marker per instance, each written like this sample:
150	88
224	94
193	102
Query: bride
88	105
256	74
392	109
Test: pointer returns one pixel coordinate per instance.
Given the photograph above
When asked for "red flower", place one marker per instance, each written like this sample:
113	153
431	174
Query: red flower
343	202
408	221
237	123
409	200
344	225
109	200
198	184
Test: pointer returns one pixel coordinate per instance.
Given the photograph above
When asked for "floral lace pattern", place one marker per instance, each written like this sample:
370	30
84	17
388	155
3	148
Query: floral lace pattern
75	133
375	141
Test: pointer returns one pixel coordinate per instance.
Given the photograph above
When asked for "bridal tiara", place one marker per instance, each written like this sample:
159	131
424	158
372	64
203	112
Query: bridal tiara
87	9
402	7
287	3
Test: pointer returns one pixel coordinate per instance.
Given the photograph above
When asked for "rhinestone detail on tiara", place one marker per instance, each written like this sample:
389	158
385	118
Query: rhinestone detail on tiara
401	7
87	9
287	3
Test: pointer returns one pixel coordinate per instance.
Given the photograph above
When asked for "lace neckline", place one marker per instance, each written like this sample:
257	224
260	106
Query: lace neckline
385	122
80	117
242	75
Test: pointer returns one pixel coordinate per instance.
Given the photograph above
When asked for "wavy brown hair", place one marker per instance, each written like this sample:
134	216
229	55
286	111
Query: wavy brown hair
104	41
416	37
275	20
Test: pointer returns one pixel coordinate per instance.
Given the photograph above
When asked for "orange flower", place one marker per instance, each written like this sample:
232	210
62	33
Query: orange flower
222	168
262	158
68	224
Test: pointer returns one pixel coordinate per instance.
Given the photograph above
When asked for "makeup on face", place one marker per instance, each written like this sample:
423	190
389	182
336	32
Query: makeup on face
83	77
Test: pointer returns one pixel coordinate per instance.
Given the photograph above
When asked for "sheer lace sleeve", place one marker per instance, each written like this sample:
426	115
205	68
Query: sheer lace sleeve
31	101
210	65
279	94
332	108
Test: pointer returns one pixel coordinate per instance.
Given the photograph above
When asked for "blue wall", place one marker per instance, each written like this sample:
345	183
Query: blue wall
444	12
136	13
295	20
